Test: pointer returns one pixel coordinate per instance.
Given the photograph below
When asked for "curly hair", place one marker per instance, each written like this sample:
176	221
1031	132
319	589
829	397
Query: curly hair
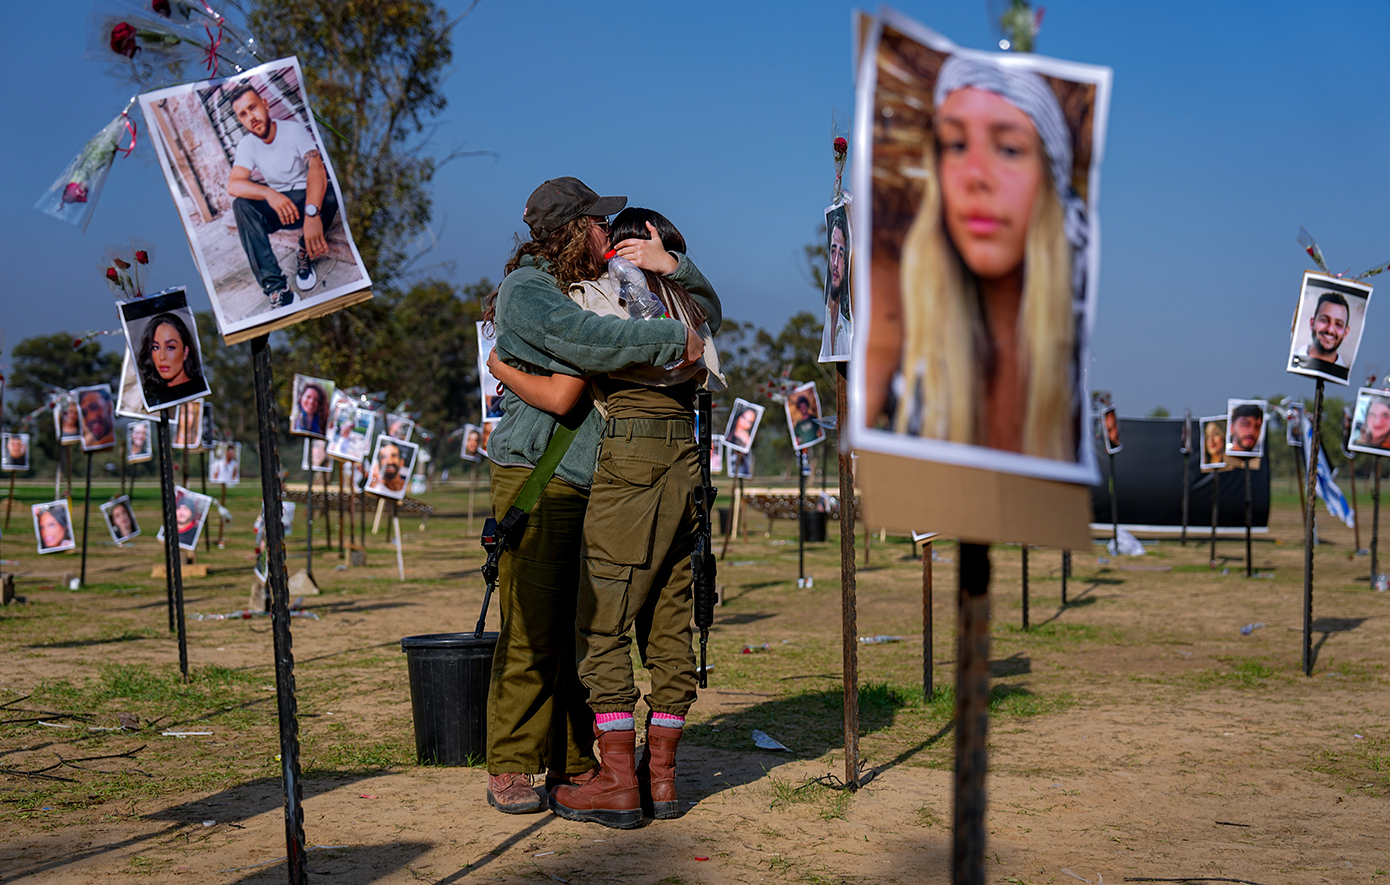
567	251
150	379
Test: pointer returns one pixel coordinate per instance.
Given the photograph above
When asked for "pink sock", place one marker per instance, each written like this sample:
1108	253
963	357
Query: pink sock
614	721
668	720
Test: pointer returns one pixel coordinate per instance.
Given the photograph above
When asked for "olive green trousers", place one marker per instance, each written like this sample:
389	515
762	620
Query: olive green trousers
537	717
638	535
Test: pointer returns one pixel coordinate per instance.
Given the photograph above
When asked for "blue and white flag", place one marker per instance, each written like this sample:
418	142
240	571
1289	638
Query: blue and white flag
1332	497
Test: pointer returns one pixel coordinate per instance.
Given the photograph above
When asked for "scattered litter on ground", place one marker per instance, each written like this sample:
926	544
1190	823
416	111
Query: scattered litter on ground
184	734
805	583
243	614
1074	875
761	740
365	796
1250	628
880	638
754	649
209	823
543	854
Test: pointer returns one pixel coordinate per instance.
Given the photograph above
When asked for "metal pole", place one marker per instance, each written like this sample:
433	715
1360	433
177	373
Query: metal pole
1215	502
1115	504
801	522
473	488
1308	531
277	584
1375	524
203	466
342	493
86	515
9	502
927	689
173	559
1186	482
849	623
1248	566
1355	522
1298	463
396	527
1066	573
1025	583
972	716
309	531
221	520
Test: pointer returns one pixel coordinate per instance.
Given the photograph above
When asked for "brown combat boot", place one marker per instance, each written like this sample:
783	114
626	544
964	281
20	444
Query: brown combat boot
611	798
656	772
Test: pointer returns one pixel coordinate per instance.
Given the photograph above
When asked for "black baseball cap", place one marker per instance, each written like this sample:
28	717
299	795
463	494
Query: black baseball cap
561	199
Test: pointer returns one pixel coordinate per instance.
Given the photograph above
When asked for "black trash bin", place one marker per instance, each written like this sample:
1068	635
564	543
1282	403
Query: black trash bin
812	526
449	676
724	520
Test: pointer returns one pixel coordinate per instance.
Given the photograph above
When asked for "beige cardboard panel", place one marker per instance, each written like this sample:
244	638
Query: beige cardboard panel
318	310
905	494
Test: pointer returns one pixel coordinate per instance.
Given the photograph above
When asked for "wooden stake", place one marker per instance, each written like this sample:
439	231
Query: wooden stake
972	716
1309	530
849	623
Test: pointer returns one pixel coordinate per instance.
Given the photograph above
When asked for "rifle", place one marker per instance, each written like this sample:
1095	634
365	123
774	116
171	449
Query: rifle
702	567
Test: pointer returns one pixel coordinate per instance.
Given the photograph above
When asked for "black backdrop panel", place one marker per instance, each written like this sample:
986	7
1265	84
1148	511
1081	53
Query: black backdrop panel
1148	472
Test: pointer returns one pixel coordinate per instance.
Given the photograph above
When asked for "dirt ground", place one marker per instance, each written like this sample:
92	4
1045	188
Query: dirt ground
1136	734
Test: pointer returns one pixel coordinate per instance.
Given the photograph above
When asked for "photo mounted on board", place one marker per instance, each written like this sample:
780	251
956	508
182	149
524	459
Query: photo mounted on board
258	197
190	514
120	519
130	400
14	451
1327	327
803	416
312	397
489	389
472	448
53	526
226	463
392	463
400	427
97	414
975	305
1110	430
837	336
716	453
1293	424
161	333
316	456
66	421
740	463
350	430
1370	423
1214	444
139	442
1245	423
744	419
188	425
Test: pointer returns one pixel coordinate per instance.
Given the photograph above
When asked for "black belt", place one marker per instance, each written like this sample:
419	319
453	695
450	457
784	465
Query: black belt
651	428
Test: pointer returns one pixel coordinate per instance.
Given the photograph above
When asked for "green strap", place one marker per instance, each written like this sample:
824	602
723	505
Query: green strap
545	468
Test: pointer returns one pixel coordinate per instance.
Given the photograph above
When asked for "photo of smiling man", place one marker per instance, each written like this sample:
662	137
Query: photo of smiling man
1245	419
1327	328
257	194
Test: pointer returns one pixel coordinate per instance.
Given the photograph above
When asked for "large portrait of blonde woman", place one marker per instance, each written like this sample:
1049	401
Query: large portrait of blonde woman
981	171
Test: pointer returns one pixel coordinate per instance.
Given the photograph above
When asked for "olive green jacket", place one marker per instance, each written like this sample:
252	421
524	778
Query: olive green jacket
540	330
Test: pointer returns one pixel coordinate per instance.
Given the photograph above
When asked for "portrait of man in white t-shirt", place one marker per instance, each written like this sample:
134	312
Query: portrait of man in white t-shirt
296	194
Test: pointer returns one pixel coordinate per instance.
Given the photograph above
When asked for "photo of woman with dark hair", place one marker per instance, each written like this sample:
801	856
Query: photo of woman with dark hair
53	527
311	400
164	339
120	519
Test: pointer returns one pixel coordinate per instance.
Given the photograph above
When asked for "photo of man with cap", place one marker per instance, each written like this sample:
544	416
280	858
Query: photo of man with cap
538	719
1246	423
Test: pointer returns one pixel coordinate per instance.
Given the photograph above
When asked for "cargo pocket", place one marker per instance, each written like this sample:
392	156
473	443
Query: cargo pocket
622	512
603	598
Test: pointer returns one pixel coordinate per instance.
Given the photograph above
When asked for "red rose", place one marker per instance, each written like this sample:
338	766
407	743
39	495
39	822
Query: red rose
142	256
112	275
75	192
123	40
161	7
841	146
121	264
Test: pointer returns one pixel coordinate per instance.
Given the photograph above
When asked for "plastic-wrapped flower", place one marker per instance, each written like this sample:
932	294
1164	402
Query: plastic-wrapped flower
841	146
123	40
112	275
142	257
75	192
161	7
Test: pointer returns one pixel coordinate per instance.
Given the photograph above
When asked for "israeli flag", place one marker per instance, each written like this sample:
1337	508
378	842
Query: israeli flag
1332	497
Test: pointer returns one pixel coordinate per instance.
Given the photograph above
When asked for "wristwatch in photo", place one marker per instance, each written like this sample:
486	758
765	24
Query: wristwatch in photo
311	210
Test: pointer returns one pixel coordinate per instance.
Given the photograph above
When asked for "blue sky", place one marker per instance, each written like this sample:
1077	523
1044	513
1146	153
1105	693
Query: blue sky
1231	125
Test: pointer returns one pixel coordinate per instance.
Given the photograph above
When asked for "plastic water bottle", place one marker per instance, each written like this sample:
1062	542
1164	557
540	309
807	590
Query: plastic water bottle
632	288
